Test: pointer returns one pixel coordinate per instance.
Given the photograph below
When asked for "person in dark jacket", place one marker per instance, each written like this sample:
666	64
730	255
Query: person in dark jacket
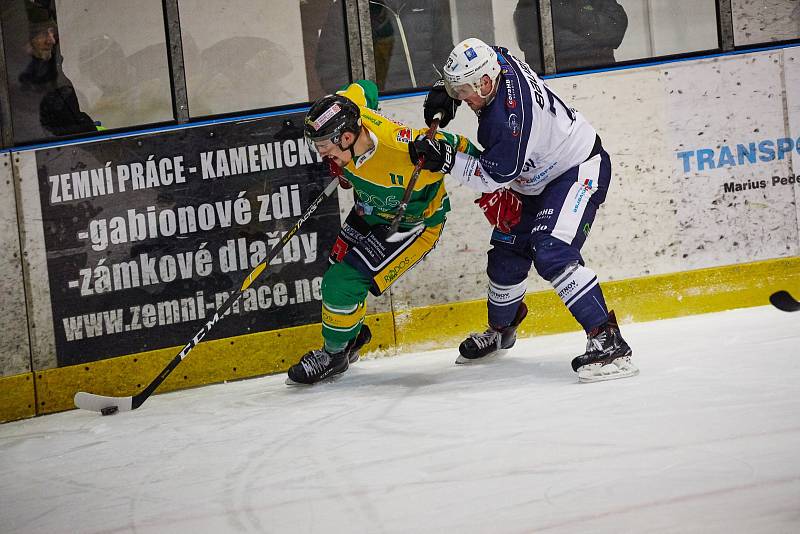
43	99
586	32
409	38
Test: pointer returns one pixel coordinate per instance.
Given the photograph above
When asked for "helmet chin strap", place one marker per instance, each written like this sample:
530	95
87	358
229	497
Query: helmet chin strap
352	146
349	149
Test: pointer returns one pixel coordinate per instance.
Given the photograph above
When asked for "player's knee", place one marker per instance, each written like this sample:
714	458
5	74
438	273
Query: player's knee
343	284
505	268
551	256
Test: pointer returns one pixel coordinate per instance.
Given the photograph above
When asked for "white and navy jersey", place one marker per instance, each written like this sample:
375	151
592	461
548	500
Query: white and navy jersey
530	136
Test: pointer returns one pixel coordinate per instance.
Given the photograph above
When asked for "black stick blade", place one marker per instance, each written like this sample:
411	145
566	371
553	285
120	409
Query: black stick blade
784	301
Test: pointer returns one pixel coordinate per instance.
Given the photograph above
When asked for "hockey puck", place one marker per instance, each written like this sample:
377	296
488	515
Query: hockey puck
109	410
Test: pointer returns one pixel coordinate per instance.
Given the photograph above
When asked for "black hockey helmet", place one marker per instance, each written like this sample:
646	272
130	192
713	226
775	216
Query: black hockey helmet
330	117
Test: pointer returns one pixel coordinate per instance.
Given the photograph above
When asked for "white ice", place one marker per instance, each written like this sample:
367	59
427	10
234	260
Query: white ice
706	439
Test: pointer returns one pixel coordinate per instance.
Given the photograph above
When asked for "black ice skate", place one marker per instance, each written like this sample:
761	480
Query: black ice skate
478	346
318	365
607	355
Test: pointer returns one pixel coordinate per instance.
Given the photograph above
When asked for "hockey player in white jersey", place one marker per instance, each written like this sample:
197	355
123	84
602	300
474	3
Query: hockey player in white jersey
543	174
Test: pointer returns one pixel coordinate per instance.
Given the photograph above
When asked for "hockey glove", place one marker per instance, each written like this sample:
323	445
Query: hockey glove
438	101
439	155
336	171
503	208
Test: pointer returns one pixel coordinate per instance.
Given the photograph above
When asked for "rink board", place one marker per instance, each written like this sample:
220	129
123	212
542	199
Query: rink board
434	327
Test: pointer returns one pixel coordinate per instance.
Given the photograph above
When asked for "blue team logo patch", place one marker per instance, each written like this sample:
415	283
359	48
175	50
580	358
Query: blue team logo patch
503	237
470	53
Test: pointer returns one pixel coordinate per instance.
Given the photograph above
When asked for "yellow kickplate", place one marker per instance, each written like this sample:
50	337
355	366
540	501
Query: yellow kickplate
634	300
17	397
209	362
433	327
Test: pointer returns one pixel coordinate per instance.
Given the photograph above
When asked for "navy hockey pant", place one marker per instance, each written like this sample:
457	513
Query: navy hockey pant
553	227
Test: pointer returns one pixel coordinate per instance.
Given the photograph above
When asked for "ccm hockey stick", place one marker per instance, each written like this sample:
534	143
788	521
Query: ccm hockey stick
111	405
784	301
393	236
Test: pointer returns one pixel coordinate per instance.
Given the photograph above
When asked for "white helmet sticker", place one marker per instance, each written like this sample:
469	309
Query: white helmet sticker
325	117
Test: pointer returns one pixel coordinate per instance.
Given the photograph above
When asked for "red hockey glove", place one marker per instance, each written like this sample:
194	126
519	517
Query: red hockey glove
336	171
503	208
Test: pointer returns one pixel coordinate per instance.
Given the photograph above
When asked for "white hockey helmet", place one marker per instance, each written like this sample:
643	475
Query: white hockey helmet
469	61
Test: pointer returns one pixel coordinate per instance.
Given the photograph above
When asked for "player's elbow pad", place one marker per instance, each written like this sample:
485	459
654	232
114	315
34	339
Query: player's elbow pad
469	171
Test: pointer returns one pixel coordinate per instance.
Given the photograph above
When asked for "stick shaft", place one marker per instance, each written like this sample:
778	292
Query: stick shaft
142	396
401	209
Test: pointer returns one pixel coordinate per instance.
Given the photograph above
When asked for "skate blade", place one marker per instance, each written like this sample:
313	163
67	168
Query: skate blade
333	378
619	368
476	361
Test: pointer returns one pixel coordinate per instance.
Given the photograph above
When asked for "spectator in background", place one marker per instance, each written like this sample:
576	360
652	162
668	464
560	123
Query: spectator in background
409	38
43	99
586	32
526	25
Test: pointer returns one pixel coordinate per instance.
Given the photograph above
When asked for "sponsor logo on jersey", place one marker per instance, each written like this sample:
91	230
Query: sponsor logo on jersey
397	270
528	165
545	213
513	124
587	185
539	228
470	53
511	97
404	135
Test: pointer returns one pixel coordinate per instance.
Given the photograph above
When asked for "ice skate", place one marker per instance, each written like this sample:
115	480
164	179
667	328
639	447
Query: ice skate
318	365
607	355
477	347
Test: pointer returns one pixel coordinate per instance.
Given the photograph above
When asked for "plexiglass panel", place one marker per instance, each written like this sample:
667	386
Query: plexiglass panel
409	37
247	54
763	21
599	33
437	26
76	66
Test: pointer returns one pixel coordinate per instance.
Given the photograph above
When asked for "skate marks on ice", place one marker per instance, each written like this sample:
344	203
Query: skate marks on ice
704	440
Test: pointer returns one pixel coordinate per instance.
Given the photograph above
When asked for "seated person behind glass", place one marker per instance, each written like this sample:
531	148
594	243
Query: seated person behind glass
586	32
59	111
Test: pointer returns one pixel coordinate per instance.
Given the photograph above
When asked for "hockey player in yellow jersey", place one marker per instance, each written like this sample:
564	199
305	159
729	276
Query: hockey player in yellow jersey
372	153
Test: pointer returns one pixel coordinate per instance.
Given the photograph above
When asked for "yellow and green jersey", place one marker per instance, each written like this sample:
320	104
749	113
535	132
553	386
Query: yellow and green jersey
380	176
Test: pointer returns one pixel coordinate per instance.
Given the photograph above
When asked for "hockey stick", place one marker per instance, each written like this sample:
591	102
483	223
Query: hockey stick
393	236
784	301
111	405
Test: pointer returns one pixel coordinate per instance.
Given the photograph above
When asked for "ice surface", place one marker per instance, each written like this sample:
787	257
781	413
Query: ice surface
705	439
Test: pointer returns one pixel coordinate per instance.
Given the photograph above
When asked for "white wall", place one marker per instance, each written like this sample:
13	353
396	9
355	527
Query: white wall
657	218
657	28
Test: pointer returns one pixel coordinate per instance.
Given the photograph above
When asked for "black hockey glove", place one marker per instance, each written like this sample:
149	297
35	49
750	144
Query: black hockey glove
439	156
438	101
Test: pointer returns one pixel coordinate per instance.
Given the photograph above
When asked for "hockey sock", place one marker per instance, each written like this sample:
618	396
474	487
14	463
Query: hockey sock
332	347
578	288
504	301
